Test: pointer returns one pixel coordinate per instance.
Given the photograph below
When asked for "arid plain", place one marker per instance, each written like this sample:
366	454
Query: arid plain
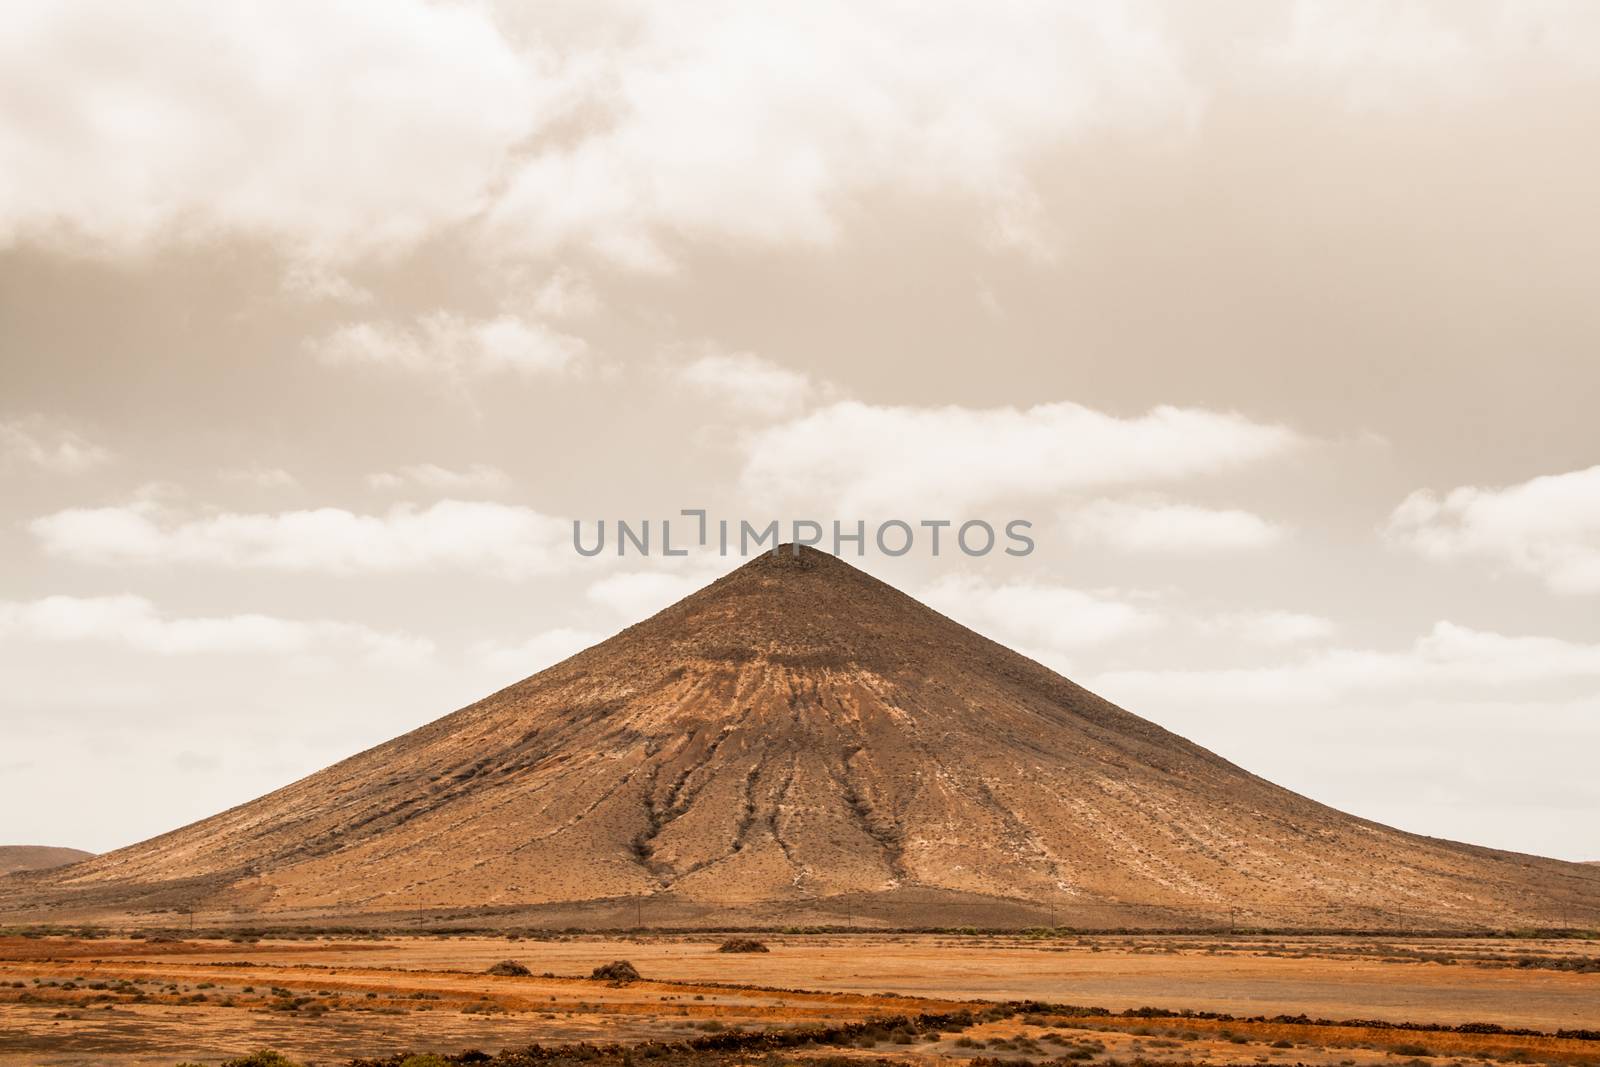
1239	999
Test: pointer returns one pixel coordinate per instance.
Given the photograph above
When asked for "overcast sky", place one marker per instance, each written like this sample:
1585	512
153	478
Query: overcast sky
320	322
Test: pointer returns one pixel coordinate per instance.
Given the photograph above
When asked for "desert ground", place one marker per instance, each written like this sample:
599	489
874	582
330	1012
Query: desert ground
1343	1001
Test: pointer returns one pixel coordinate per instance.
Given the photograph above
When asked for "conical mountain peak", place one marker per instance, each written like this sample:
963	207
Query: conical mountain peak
795	741
792	603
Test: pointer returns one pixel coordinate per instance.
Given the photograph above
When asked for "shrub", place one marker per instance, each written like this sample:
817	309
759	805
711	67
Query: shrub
616	971
265	1058
743	944
510	969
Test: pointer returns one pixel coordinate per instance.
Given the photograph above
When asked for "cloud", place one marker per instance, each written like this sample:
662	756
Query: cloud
1156	526
536	653
719	122
639	594
479	477
452	535
1047	621
1384	56
1449	659
566	294
262	477
133	621
453	346
1037	618
1547	527
623	128
748	383
40	442
337	128
616	127
315	280
864	459
1271	627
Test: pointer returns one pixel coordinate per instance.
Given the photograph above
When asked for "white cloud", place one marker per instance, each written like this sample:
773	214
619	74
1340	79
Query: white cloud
316	280
639	594
479	477
725	122
1547	527
864	459
566	294
1039	619
452	535
748	383
442	343
40	442
1382	55
133	621
1159	526
1450	659
1271	627
623	127
616	126
340	128
262	477
536	653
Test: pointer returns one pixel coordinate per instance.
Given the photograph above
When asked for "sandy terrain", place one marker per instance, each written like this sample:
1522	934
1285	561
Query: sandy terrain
69	1001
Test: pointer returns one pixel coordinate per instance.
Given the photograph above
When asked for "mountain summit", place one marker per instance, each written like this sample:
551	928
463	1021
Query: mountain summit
800	742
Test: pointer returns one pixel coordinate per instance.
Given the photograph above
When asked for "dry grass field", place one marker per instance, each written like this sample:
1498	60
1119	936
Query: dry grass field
916	998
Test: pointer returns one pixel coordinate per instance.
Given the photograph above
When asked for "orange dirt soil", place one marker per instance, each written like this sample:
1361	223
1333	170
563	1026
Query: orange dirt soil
116	1001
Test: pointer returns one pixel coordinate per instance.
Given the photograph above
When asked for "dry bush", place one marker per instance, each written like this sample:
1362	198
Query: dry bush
509	969
616	971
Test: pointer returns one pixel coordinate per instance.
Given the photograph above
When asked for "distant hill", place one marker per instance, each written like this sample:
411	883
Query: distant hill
37	857
796	744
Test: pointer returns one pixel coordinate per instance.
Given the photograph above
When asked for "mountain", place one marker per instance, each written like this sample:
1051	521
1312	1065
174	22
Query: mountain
799	742
37	857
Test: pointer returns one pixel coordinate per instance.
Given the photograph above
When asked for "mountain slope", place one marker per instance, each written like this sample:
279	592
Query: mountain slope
797	740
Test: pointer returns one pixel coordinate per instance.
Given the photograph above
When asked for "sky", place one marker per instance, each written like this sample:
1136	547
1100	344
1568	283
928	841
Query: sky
321	323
